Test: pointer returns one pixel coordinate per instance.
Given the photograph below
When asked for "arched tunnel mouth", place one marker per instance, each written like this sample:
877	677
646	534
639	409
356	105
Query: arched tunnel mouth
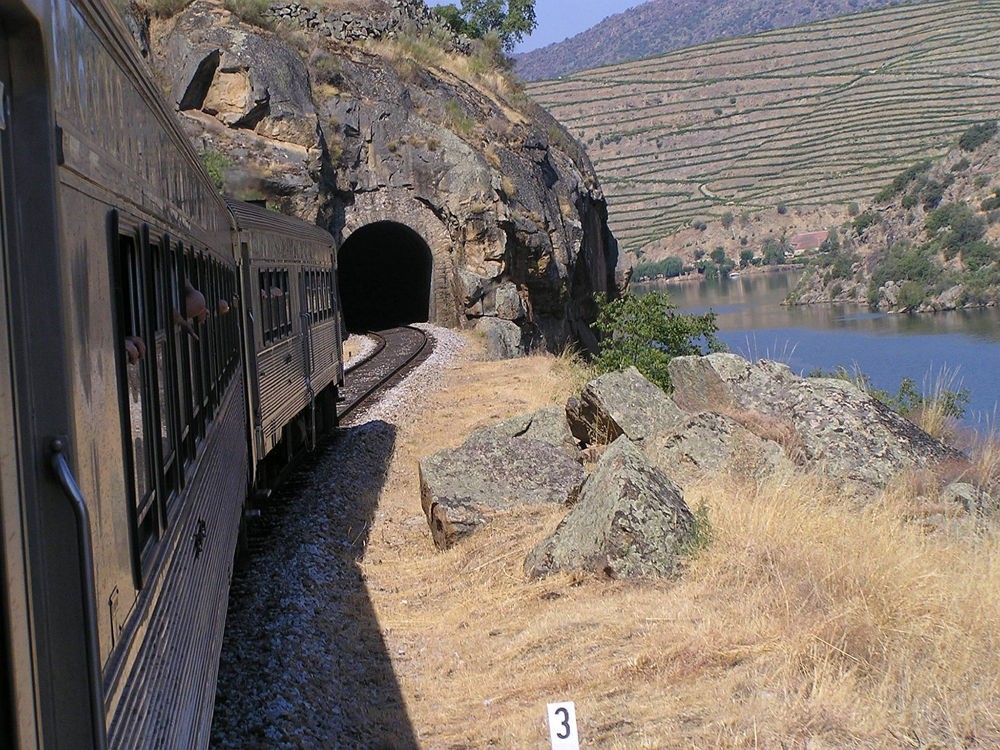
385	277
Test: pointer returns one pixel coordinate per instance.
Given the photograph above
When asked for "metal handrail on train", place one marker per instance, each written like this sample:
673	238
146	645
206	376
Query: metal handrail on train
60	467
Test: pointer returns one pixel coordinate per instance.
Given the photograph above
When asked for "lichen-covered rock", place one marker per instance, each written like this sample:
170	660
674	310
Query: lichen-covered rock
462	488
548	425
621	403
631	521
972	499
843	430
710	443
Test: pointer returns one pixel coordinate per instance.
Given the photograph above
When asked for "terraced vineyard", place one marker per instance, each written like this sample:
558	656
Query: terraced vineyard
816	115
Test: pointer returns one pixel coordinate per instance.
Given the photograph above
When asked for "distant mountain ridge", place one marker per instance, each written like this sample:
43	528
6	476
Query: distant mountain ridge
660	26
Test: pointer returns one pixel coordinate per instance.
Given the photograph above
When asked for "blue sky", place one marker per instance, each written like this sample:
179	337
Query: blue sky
559	19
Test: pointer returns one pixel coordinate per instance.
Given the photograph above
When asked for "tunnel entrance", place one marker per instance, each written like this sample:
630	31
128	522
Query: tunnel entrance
385	277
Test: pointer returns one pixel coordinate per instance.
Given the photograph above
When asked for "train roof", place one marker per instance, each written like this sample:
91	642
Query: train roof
252	216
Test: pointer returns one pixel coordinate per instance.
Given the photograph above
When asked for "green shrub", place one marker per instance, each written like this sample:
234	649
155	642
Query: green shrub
993	202
902	181
775	251
863	221
216	163
954	225
646	332
977	254
902	262
252	11
459	121
976	135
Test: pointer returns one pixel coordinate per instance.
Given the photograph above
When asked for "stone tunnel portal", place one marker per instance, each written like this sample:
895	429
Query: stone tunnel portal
385	277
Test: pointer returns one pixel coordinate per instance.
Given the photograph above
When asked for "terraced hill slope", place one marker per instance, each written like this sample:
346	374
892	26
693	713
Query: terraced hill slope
821	114
660	26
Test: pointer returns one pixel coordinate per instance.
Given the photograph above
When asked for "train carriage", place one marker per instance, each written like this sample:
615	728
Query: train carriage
124	453
293	334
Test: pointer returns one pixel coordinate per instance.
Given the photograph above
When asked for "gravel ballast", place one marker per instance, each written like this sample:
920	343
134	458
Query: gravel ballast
304	662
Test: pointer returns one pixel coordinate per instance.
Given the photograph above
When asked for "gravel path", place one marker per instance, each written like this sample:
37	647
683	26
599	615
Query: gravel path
304	662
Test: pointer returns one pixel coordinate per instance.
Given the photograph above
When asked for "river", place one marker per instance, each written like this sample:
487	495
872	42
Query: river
961	346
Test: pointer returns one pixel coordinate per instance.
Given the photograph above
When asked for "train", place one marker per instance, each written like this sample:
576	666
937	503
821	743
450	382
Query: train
164	352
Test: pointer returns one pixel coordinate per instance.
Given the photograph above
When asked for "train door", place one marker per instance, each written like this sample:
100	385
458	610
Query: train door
51	692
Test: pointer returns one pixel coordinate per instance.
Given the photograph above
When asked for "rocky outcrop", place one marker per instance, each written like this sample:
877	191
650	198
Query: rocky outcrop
630	522
548	425
621	403
843	430
394	123
969	497
706	444
379	20
462	488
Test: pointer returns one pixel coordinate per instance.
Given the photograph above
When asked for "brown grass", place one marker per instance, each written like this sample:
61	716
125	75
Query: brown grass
806	623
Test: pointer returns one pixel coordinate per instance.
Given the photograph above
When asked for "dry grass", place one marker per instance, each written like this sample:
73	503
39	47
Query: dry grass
806	623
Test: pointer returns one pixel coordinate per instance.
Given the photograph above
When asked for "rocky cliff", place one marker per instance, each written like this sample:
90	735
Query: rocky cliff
368	114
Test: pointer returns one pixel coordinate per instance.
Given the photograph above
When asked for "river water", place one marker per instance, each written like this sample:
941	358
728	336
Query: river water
962	346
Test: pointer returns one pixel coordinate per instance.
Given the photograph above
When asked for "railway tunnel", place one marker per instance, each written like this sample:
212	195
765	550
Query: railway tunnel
385	277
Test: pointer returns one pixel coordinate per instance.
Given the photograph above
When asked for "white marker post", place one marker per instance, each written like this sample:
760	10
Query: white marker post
562	726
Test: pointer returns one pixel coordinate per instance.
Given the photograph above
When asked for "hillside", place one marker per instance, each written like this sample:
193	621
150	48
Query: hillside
661	26
413	147
930	242
788	121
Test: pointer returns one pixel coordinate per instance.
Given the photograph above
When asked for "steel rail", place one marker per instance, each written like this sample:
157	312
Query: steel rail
408	359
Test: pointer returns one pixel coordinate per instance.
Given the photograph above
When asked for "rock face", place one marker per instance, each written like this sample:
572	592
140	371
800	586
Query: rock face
709	443
631	521
621	403
384	120
461	489
548	425
850	434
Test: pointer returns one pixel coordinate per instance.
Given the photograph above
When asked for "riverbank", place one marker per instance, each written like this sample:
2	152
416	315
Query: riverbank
962	345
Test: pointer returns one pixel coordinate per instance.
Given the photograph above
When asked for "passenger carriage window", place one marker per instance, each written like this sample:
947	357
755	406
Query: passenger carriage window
166	389
275	305
134	308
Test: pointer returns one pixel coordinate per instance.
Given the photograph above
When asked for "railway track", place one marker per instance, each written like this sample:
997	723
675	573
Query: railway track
397	351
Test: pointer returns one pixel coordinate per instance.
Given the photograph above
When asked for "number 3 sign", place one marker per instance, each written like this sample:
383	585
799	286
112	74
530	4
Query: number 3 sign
562	726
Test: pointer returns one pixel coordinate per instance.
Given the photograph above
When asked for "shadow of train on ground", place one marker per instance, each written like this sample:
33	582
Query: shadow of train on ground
304	664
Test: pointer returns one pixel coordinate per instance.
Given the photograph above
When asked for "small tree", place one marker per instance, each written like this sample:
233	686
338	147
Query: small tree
509	20
646	332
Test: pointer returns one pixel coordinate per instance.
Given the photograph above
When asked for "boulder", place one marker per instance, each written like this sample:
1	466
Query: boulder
621	403
548	425
971	498
842	429
630	522
504	339
462	488
710	443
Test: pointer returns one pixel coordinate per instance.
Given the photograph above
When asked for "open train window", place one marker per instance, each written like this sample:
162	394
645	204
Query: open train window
275	305
163	324
319	294
136	320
